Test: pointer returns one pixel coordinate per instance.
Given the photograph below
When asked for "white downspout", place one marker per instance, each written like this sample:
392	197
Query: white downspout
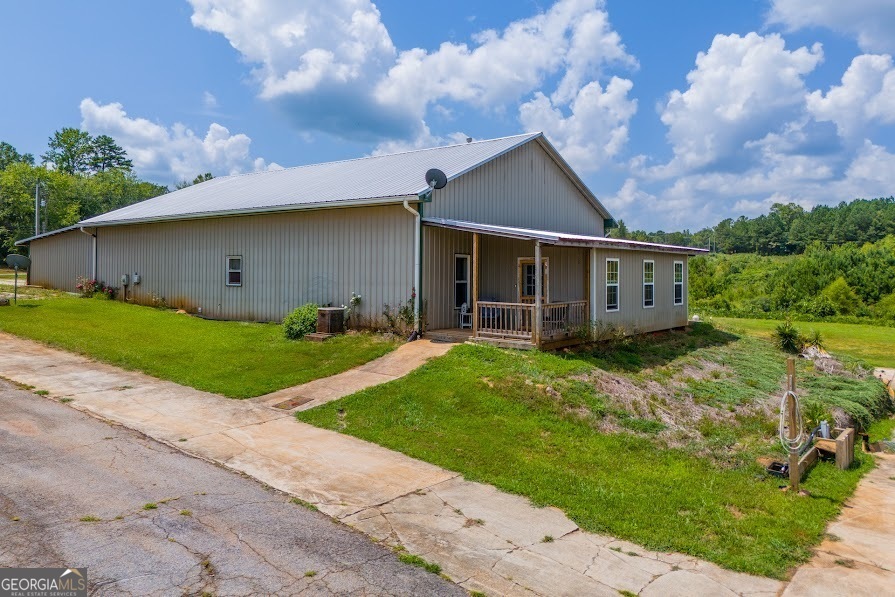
93	251
416	266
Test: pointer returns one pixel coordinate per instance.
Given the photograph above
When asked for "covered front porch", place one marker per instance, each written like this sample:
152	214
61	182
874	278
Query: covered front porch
507	288
511	325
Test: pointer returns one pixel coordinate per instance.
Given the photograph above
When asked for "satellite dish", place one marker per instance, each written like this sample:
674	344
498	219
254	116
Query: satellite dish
436	179
18	262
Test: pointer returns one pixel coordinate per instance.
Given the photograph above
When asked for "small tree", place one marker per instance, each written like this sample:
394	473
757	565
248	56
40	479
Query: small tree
201	178
69	150
843	298
9	155
105	155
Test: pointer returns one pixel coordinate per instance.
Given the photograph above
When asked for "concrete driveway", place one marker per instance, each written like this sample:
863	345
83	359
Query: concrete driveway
212	531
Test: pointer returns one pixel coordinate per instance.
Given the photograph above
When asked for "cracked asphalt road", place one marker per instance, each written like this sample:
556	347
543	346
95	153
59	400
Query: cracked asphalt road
212	530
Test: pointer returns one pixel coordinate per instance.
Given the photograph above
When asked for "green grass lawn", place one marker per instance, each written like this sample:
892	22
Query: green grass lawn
875	345
236	359
551	427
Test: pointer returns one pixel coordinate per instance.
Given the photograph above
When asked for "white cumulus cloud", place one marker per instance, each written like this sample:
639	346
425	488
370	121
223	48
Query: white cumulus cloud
866	95
174	153
334	68
596	128
871	22
742	88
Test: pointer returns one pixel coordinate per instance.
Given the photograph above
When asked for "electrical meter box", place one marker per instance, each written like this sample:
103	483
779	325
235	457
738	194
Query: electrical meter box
136	278
125	280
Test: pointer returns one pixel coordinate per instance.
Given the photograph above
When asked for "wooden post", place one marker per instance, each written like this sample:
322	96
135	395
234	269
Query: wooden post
791	406
538	291
587	289
475	284
592	292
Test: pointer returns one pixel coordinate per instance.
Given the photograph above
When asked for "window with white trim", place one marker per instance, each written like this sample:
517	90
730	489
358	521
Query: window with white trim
649	279
461	281
612	277
234	270
678	282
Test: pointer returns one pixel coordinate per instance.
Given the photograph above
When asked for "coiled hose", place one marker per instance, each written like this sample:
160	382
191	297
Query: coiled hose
798	442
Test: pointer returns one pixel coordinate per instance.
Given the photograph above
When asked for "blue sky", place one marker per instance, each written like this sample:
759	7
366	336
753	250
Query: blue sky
676	114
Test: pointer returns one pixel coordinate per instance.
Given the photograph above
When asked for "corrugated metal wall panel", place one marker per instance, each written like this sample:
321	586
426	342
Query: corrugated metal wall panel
57	261
288	259
631	314
523	188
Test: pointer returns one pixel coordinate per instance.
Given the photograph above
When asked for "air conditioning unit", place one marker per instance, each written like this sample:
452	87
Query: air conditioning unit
330	320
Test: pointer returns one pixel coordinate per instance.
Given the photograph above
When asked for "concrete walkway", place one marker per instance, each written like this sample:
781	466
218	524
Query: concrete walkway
484	539
390	367
887	376
858	555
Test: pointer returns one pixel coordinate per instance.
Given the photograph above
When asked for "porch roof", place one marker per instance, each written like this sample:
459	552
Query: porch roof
562	239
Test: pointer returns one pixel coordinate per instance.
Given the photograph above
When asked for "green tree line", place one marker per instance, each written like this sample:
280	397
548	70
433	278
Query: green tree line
80	176
787	230
846	282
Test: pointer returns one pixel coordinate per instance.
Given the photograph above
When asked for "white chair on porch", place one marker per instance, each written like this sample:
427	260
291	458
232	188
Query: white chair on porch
465	316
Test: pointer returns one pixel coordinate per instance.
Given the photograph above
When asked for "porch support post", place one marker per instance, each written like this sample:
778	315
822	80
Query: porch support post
538	291
593	294
475	284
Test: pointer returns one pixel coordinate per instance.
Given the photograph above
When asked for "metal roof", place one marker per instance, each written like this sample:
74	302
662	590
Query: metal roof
559	238
377	179
25	241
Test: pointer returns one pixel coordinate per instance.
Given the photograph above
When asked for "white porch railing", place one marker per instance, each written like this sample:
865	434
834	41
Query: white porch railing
516	320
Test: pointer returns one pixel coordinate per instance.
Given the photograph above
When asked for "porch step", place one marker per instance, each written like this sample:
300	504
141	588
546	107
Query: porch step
505	343
451	335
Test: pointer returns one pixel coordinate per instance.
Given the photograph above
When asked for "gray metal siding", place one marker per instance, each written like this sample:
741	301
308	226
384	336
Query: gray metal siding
523	188
288	259
58	261
632	315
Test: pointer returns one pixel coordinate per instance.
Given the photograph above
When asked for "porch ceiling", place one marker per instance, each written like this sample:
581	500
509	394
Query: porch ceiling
559	238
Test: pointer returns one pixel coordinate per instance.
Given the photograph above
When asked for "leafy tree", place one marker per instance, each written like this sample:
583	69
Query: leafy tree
841	295
621	230
69	198
885	308
69	150
9	155
106	154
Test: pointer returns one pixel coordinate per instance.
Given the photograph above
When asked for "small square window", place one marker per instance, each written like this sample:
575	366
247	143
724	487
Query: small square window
234	270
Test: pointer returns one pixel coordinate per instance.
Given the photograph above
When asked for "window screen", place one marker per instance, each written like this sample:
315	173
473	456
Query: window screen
234	270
